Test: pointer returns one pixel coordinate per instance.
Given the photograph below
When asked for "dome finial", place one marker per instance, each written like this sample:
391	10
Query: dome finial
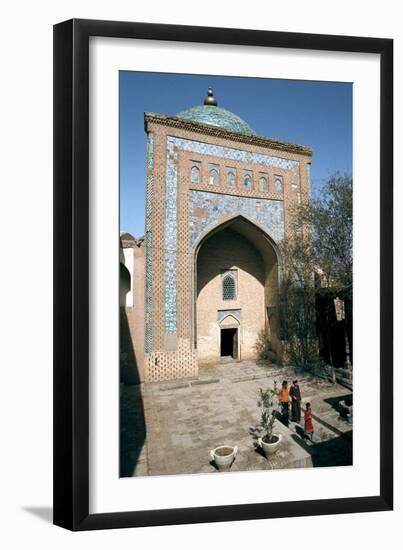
210	99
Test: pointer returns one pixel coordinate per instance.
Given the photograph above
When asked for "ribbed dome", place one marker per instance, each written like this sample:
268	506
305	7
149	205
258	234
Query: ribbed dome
209	113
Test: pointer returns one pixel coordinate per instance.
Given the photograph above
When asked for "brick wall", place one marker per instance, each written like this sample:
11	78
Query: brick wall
176	148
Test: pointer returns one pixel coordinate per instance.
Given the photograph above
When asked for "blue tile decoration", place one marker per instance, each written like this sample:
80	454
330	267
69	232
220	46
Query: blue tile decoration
267	213
216	116
247	179
149	250
248	157
171	197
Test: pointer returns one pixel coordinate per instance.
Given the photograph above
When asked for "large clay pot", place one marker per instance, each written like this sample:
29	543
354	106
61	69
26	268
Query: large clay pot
270	448
224	456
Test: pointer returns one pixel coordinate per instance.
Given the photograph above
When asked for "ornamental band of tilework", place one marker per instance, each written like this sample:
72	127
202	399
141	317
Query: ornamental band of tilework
171	196
217	117
149	272
267	213
248	157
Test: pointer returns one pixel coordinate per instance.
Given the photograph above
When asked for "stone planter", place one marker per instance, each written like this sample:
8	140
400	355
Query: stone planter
224	456
346	409
269	448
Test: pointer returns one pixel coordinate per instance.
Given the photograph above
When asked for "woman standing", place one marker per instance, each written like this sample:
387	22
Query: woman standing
283	398
308	429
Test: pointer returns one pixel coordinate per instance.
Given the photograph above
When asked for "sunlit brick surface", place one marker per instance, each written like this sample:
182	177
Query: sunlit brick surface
201	176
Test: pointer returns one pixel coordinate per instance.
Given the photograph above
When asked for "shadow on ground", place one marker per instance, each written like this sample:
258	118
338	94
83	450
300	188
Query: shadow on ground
132	422
333	452
44	513
335	403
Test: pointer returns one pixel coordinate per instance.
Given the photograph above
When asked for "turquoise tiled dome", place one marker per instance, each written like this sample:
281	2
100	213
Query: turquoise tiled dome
209	113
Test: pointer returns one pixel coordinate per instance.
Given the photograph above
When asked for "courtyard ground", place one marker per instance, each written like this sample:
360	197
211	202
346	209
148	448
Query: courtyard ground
170	427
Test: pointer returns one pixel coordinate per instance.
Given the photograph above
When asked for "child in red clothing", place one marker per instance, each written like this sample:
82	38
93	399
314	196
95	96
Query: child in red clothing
308	429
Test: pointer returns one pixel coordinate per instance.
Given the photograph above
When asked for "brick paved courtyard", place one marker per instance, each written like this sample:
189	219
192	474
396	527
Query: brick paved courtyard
170	428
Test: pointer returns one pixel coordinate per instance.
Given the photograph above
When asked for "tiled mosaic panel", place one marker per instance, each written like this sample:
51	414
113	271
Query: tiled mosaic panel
208	114
171	197
269	214
184	282
248	157
149	252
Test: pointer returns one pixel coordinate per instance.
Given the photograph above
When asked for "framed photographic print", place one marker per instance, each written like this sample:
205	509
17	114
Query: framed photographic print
223	274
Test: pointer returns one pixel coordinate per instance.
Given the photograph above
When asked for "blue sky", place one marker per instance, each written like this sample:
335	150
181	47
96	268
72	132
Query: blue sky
317	114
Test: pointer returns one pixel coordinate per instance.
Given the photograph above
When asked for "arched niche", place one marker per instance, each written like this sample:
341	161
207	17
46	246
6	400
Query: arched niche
124	285
243	248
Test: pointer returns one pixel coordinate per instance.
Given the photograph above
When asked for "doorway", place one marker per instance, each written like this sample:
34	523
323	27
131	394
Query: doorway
229	343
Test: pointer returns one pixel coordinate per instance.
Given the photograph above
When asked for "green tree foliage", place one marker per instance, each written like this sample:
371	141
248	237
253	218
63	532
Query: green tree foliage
321	244
268	407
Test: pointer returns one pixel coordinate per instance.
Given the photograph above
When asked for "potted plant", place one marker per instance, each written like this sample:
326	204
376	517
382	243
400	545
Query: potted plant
270	441
224	456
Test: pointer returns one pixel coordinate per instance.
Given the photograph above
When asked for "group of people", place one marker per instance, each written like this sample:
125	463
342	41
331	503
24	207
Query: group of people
293	394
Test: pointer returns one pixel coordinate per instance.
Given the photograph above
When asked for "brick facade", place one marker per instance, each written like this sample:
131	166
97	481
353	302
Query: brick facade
212	189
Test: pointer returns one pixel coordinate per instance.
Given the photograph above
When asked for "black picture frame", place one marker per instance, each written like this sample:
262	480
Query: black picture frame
71	273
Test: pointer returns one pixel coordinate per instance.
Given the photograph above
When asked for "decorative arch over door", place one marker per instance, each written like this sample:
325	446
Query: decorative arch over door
229	321
210	210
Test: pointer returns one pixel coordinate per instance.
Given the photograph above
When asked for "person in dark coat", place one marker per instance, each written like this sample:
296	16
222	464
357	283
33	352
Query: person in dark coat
295	395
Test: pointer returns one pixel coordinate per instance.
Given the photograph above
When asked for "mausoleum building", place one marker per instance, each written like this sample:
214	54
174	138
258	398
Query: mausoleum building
204	283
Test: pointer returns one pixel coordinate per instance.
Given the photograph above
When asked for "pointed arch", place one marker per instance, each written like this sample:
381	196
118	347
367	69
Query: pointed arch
229	321
213	176
254	236
124	284
210	230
